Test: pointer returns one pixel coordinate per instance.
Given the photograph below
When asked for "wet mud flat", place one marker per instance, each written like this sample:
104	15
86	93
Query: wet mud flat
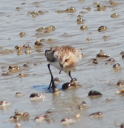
30	27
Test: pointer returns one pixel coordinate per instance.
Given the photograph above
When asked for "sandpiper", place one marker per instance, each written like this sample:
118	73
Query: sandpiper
64	58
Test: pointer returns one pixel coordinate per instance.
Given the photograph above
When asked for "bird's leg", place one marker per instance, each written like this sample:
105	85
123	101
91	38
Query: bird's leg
72	79
52	84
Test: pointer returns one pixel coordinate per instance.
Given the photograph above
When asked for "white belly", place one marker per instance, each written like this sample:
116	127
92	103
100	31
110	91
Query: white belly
56	65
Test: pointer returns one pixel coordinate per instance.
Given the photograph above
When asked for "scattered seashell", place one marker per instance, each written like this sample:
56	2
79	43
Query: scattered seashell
94	61
94	93
117	67
19	94
110	61
120	83
115	15
100	7
101	54
102	29
80	20
67	121
14	69
22	115
97	115
22	75
66	85
48	29
68	10
41	118
83	105
36	13
38	43
84	27
4	103
122	54
37	96
113	3
22	34
121	92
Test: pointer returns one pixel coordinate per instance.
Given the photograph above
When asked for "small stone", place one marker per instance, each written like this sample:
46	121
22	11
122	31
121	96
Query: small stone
94	61
19	94
100	7
80	20
83	105
102	29
120	83
14	68
41	118
96	115
117	67
66	85
22	34
84	27
4	103
121	92
115	15
101	54
122	54
110	61
70	10
36	96
94	93
22	75
113	3
67	121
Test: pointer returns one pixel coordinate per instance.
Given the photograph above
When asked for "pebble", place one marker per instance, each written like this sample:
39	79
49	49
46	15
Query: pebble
83	105
84	27
115	15
122	54
120	83
102	29
94	61
110	61
22	34
121	92
101	7
97	115
67	121
117	67
4	103
19	94
36	96
101	54
14	68
94	93
68	10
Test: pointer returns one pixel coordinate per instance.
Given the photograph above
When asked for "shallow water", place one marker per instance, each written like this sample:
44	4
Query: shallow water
99	77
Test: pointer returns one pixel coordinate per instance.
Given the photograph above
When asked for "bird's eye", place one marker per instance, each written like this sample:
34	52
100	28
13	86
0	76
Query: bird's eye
66	60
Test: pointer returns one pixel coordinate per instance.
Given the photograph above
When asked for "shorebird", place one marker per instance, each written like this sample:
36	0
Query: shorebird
64	58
